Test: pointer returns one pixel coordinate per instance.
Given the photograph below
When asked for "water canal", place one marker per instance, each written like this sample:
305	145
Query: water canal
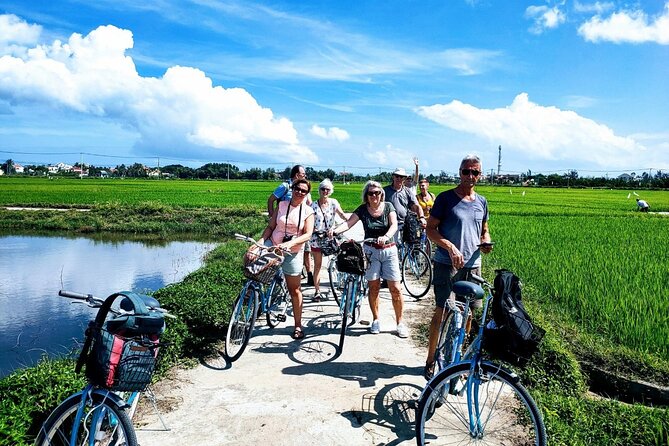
34	320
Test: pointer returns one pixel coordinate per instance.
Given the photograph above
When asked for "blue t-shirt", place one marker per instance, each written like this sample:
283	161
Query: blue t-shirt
283	191
461	223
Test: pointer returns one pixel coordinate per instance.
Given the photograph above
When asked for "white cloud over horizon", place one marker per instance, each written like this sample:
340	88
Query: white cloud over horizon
628	26
333	133
539	132
181	111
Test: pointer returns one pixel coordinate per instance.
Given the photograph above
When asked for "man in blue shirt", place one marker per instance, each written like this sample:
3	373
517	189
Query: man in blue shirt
458	225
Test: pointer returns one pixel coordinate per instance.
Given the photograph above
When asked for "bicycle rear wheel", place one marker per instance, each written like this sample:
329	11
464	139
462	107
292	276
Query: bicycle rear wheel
102	423
488	406
448	340
241	324
348	311
416	272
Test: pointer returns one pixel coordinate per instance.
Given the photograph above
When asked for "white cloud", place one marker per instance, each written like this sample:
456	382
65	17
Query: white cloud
544	18
633	26
538	132
181	111
390	156
334	133
15	34
576	101
597	7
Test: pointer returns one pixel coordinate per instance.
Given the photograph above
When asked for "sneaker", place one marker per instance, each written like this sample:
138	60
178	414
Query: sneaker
317	297
402	330
376	327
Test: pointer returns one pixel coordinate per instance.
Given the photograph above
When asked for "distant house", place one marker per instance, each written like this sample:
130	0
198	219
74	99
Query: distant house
18	168
80	171
2	172
104	174
155	173
625	177
60	167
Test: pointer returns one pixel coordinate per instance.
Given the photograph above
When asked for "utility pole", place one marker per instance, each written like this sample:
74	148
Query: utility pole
499	160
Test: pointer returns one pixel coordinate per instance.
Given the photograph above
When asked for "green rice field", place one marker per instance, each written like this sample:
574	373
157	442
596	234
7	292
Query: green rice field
587	253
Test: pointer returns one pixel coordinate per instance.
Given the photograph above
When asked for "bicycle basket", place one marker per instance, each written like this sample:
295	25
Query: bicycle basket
411	230
513	345
121	363
261	264
351	258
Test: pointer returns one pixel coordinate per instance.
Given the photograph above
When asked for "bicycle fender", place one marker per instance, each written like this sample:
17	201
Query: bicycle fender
506	370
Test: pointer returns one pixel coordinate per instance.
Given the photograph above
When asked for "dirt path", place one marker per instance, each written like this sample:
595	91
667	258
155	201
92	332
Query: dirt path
285	392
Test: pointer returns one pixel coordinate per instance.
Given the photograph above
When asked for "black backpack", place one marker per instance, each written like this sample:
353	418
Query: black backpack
351	258
411	228
513	337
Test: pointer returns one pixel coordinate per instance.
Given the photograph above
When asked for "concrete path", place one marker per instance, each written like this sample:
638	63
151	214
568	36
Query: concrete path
286	392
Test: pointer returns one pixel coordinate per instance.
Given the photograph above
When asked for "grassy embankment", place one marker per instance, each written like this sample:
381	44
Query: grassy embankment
593	267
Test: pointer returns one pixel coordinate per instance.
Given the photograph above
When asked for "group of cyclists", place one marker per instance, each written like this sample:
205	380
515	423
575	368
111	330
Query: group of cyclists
456	221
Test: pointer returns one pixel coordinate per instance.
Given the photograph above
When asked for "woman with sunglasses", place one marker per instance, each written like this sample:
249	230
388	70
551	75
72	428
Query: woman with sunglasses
325	210
290	227
379	221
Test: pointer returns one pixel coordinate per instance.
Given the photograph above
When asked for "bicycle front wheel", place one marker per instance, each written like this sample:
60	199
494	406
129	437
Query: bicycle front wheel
241	324
487	406
416	272
102	422
336	279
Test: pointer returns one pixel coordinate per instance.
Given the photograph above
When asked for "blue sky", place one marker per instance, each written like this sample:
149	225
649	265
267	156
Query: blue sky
362	86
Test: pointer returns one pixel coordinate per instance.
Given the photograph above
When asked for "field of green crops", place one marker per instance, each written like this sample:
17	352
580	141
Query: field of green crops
585	252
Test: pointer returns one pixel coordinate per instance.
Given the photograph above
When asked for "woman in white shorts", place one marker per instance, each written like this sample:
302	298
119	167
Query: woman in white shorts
379	221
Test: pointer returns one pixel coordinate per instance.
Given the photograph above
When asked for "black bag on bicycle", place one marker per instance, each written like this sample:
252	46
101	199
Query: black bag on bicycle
411	229
513	337
351	258
327	245
120	352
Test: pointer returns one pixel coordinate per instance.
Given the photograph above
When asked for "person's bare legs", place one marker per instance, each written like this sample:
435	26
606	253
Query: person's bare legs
435	325
374	287
398	301
293	284
318	262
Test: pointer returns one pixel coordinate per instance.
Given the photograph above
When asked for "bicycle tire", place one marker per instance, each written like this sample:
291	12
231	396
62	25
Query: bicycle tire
104	419
346	317
507	412
336	279
279	295
416	272
448	338
242	321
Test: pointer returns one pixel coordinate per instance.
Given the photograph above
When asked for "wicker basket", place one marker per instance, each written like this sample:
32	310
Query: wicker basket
261	264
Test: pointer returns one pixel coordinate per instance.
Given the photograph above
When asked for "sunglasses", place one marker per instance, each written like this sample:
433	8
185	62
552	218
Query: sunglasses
373	193
325	189
470	172
299	190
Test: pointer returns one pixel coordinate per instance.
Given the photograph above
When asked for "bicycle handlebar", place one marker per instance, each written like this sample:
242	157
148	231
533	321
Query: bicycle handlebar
96	302
480	280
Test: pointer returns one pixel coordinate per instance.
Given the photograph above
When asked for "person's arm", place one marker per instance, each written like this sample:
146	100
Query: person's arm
392	229
267	233
432	229
415	175
348	224
270	204
485	238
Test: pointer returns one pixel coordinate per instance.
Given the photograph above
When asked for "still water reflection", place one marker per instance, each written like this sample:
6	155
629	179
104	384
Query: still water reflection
34	320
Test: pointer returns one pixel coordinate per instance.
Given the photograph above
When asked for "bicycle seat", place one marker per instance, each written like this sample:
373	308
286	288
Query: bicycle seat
468	289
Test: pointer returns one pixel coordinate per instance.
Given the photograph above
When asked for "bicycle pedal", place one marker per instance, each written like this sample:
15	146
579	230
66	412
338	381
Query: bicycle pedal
281	317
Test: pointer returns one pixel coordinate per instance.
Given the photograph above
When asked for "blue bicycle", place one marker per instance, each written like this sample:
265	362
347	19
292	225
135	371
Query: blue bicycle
265	291
472	400
97	415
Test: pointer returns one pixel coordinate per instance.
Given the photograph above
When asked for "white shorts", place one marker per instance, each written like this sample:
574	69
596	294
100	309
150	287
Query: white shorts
383	263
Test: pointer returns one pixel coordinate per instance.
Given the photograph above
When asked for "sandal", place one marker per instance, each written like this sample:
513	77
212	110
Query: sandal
317	297
297	333
428	371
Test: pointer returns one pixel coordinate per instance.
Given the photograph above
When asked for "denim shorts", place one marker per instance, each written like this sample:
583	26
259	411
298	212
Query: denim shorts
443	279
292	264
383	263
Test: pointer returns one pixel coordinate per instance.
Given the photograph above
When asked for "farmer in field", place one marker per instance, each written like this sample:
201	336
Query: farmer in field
458	224
283	192
643	205
290	227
